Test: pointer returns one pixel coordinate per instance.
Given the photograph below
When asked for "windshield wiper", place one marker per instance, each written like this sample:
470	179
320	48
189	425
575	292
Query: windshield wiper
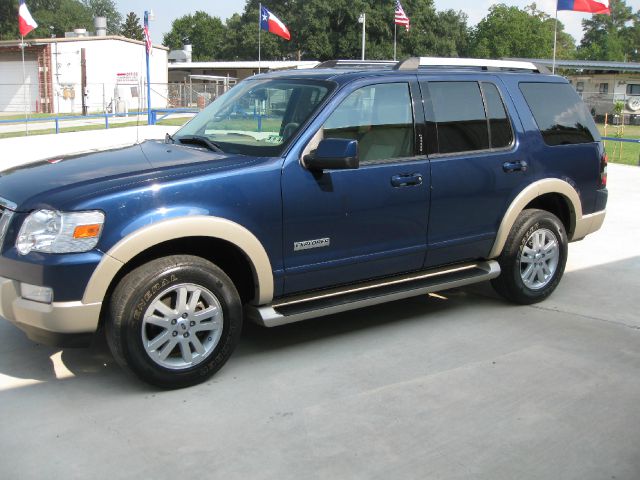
168	138
200	140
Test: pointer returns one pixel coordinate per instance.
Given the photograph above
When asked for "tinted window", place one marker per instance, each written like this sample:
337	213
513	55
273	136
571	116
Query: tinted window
459	115
560	114
380	117
633	89
500	131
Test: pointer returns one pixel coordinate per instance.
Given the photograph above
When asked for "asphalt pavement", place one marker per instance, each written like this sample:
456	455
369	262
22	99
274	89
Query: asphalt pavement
459	385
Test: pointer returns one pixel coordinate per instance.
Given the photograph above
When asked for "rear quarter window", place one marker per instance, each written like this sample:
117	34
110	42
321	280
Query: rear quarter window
561	116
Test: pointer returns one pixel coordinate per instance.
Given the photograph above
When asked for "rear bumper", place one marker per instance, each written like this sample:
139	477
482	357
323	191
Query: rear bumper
588	224
57	324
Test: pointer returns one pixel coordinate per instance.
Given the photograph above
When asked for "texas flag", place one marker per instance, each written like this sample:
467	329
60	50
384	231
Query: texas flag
589	6
26	23
271	23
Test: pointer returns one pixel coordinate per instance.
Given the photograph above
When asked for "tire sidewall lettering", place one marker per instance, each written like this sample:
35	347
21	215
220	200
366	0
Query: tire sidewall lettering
150	293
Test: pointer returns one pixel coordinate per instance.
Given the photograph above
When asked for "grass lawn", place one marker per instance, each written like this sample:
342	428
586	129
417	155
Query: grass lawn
174	121
177	121
619	152
69	129
622	152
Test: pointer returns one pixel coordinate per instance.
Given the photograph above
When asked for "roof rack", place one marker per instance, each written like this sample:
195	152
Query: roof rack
357	64
415	63
476	63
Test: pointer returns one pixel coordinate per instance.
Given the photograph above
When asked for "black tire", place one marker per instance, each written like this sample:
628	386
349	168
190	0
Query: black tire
511	284
160	280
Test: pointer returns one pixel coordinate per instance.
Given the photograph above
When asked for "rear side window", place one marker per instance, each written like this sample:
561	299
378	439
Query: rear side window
499	126
465	117
560	114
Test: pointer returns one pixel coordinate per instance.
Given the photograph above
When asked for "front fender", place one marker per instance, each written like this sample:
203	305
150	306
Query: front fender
146	237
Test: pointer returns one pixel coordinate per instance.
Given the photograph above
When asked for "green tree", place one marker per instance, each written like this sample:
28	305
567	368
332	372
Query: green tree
242	34
608	37
325	29
525	33
206	33
108	9
8	21
131	27
632	40
433	33
54	17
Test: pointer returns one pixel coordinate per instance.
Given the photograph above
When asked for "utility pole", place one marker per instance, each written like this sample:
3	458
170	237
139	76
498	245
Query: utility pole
363	20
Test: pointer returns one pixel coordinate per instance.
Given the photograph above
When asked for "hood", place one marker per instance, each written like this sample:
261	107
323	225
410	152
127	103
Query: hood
41	182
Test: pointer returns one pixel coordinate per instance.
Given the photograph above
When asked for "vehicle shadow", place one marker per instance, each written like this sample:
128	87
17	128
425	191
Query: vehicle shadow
30	363
582	292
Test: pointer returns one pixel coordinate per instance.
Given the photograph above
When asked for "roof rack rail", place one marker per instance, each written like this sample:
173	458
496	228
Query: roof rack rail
415	63
357	64
480	63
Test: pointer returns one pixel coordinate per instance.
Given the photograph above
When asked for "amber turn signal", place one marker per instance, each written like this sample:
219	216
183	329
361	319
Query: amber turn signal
87	231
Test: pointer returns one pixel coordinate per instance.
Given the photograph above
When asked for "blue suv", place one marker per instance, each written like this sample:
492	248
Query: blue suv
342	186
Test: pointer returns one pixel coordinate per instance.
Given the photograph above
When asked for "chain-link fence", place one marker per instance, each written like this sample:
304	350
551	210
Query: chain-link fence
121	97
196	95
70	105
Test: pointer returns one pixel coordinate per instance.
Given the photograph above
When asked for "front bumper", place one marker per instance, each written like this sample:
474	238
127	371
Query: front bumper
59	323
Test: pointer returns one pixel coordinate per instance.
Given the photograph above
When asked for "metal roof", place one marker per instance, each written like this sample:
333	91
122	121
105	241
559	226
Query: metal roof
41	41
267	65
584	64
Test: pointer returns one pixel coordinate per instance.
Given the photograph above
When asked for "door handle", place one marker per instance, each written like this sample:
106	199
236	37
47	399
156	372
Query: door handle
409	180
517	166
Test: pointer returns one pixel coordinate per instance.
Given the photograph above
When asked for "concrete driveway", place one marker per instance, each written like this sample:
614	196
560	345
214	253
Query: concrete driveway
456	386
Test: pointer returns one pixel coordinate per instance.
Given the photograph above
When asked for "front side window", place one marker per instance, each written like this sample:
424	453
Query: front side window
466	117
257	117
380	117
562	117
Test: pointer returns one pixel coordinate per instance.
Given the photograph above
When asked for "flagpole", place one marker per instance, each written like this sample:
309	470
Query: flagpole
395	29
146	50
24	90
555	42
259	36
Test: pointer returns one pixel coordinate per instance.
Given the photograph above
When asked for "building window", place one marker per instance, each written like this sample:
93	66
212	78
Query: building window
603	88
579	87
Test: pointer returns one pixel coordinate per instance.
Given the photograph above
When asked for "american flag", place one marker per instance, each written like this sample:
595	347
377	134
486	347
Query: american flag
147	38
401	17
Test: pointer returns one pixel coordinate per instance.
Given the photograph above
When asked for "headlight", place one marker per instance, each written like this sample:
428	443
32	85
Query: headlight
50	231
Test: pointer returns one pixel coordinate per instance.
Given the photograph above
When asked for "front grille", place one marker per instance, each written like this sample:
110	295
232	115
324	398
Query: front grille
6	212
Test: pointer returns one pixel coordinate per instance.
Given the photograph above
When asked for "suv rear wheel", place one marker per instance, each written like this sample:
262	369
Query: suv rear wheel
174	321
533	258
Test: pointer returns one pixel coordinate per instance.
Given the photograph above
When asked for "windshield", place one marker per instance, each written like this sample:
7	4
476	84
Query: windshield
257	117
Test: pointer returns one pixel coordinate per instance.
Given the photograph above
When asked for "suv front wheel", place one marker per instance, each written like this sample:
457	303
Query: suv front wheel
174	321
533	258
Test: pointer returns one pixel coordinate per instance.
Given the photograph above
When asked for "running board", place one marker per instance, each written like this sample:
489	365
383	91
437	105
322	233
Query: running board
327	302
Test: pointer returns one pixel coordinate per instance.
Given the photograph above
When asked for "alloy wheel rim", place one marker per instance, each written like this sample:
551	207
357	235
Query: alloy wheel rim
182	326
539	259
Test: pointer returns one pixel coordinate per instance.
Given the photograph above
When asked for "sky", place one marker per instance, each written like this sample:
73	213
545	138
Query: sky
167	11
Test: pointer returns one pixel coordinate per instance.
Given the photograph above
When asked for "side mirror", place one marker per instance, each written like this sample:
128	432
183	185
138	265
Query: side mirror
333	154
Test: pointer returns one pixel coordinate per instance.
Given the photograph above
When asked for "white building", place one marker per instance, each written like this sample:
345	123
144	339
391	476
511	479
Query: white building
85	74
